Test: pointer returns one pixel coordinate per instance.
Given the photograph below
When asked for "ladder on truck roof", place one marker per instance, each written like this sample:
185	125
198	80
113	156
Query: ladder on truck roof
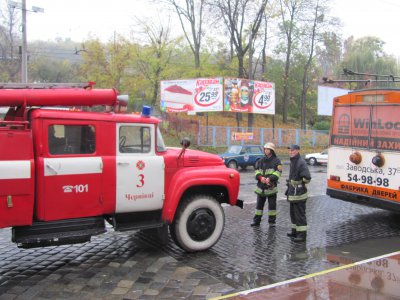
58	94
84	85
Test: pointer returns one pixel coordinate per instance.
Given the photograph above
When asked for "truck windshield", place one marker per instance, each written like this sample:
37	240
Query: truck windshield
3	111
160	142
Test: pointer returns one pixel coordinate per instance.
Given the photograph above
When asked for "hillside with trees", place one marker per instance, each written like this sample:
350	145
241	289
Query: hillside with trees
293	43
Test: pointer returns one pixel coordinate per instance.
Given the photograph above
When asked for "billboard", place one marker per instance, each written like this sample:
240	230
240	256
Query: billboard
249	96
202	94
218	94
325	99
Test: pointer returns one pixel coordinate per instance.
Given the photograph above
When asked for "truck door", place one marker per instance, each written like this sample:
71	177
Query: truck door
140	172
16	175
70	173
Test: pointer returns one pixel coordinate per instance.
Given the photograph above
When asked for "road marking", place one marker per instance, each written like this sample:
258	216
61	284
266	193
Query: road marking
274	285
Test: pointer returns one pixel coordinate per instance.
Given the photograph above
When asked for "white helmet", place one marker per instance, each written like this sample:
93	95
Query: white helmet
270	146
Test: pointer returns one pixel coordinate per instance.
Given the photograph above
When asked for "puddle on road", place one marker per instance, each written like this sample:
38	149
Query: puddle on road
248	280
362	250
346	254
387	269
373	279
300	252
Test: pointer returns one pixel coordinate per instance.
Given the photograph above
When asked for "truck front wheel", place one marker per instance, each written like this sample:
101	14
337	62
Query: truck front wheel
198	224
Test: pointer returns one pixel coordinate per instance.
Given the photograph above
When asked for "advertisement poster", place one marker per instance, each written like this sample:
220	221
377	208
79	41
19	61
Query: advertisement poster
353	127
264	98
238	95
249	96
198	95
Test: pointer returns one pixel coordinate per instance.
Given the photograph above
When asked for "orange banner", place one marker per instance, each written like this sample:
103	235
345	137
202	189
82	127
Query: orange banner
371	191
242	136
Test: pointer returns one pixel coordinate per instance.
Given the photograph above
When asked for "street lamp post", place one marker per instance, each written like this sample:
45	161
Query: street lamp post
24	54
24	51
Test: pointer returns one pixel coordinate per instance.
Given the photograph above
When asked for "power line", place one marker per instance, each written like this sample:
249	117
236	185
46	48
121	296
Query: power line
395	4
55	51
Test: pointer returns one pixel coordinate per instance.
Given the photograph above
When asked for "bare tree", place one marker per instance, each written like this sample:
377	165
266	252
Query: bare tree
242	19
311	34
290	12
191	11
10	62
264	49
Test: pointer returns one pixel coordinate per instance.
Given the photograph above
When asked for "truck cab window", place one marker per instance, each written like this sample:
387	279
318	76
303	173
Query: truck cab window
134	139
71	139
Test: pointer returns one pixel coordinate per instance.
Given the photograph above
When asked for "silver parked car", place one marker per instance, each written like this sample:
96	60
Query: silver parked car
320	158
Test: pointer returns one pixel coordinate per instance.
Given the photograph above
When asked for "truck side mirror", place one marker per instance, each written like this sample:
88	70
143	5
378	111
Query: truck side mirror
185	143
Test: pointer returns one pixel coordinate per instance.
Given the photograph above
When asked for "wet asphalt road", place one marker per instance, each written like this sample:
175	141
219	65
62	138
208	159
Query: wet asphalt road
245	257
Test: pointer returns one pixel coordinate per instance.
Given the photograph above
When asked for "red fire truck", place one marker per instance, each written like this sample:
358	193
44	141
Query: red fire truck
65	173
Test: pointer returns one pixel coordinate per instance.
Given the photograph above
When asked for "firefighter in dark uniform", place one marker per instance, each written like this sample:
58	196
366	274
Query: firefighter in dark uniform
297	194
268	172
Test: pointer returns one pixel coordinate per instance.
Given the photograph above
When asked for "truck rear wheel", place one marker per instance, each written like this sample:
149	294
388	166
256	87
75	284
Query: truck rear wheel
198	224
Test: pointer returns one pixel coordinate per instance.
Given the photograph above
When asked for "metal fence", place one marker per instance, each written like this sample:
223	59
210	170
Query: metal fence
221	136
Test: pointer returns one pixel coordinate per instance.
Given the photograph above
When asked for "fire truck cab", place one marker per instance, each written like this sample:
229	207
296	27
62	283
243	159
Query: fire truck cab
64	173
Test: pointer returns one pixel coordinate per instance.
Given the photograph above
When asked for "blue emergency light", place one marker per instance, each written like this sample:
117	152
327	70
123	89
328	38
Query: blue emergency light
146	111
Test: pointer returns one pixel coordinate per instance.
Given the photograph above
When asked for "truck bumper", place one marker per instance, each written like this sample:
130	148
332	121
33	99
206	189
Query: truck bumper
239	203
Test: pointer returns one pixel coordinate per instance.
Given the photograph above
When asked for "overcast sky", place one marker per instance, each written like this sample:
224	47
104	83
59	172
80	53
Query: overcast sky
78	19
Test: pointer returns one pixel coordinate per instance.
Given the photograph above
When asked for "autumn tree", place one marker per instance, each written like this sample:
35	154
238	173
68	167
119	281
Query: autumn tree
366	55
106	64
55	61
329	53
153	55
43	69
291	12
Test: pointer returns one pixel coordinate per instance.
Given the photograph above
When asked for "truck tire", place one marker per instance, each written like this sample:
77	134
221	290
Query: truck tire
198	224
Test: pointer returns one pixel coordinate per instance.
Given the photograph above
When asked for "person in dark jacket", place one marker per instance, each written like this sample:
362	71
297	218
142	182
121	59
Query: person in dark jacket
268	172
297	194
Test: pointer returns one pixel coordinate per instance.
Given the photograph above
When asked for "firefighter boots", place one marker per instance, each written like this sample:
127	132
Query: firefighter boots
272	221
292	234
256	221
300	237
